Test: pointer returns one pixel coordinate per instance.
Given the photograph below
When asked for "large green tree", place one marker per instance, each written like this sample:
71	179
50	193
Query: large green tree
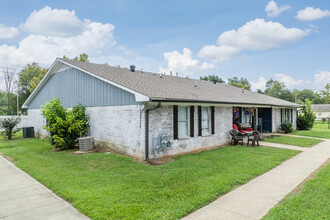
277	89
304	94
241	83
24	78
212	78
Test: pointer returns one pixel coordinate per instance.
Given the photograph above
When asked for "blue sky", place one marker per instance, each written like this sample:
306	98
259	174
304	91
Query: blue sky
285	40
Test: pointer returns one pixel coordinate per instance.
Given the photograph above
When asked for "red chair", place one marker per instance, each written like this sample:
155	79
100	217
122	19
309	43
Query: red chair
236	128
249	129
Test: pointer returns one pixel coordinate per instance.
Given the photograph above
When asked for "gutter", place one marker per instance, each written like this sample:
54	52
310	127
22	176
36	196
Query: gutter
215	102
147	129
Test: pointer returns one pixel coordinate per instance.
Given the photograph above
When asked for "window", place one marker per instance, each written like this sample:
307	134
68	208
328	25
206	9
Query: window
286	115
206	115
247	117
183	121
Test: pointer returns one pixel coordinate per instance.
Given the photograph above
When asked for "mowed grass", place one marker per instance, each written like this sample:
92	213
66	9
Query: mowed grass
319	130
314	132
311	203
296	141
109	186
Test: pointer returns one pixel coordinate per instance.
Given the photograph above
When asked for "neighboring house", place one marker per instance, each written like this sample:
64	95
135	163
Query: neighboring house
321	111
129	110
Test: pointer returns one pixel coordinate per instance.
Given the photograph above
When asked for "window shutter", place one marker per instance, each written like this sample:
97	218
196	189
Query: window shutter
192	110
282	115
212	119
175	122
199	120
291	117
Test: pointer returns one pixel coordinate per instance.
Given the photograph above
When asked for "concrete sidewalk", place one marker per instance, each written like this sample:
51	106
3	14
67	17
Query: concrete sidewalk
254	199
22	197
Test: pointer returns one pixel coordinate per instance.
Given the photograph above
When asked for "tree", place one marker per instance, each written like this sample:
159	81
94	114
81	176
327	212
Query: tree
212	78
82	57
3	108
25	77
36	80
277	89
305	120
241	83
304	94
9	77
8	125
325	93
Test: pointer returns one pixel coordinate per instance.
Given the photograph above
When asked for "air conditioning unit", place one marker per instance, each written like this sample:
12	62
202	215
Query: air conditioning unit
86	143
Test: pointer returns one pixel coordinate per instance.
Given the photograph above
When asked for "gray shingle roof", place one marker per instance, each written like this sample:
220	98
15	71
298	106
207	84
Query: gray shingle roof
172	88
321	107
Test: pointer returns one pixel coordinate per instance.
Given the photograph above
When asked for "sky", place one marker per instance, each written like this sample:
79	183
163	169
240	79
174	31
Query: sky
285	40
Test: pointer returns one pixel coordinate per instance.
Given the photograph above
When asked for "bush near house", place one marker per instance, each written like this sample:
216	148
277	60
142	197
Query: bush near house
286	127
306	119
65	126
8	125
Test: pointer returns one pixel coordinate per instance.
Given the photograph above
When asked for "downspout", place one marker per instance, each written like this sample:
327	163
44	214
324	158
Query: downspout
147	129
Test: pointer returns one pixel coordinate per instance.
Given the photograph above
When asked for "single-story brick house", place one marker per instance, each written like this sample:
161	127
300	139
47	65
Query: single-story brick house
129	110
321	111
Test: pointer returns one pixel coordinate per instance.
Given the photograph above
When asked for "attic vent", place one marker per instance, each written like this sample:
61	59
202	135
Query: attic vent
132	68
242	90
214	81
195	84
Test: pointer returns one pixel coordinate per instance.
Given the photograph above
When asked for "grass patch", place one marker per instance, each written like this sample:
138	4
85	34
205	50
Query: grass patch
319	130
311	203
314	132
109	186
296	141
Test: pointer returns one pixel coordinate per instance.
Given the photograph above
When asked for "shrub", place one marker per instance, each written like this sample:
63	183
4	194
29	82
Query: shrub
286	127
323	120
9	124
64	126
306	118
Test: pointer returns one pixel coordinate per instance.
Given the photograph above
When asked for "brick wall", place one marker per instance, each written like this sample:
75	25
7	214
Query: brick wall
161	121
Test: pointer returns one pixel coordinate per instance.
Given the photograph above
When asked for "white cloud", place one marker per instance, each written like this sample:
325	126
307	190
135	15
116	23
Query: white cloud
290	82
273	10
259	84
322	78
8	32
183	63
310	14
254	35
94	39
54	22
218	54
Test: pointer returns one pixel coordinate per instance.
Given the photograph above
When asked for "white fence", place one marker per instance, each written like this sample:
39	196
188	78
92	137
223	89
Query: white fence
23	122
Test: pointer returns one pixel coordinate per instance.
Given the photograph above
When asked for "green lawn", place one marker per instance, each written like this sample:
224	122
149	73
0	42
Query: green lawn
109	186
319	130
311	203
314	132
296	141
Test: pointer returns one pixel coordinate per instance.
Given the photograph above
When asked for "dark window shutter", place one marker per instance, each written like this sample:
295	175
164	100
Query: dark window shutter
291	116
175	122
199	120
282	115
212	119
192	110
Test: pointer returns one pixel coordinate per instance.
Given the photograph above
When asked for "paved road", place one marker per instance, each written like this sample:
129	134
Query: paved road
22	197
254	199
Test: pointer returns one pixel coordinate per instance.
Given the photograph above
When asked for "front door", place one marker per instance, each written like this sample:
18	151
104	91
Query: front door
265	117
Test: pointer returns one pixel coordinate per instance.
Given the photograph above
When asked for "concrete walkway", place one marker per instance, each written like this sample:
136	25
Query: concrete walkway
254	199
22	197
